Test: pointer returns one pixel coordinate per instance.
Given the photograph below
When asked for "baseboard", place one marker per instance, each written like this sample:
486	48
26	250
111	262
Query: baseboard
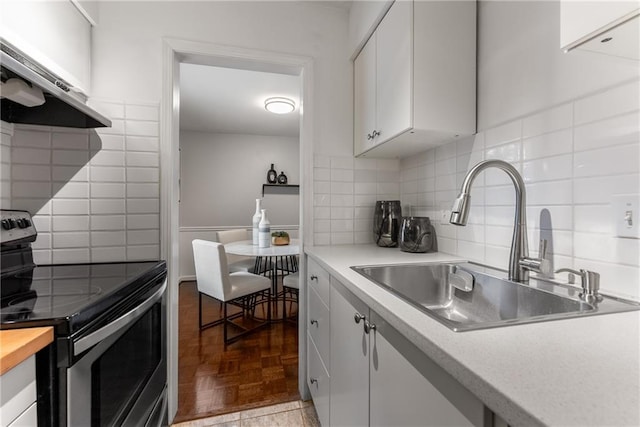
186	279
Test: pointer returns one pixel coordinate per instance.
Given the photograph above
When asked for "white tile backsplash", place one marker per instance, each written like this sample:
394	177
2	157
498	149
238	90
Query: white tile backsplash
609	103
31	156
107	206
94	193
141	206
560	117
30	138
142	112
69	157
549	144
72	141
573	157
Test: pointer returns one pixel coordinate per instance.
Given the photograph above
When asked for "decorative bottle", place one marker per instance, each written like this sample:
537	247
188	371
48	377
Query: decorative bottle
256	221
282	178
272	175
264	227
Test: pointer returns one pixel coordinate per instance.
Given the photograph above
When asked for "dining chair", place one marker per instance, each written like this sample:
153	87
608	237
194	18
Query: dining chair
291	286
240	289
237	262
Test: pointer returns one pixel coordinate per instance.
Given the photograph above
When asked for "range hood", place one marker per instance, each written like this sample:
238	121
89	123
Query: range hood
62	106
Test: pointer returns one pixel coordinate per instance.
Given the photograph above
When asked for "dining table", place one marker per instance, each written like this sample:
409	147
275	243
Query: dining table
269	260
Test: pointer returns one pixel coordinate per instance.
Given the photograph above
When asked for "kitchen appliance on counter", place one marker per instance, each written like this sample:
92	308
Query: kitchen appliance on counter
386	223
417	235
108	364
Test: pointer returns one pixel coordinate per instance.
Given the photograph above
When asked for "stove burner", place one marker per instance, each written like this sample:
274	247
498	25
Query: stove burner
19	307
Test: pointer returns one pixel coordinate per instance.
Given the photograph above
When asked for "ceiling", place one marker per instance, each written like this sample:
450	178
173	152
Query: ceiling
227	100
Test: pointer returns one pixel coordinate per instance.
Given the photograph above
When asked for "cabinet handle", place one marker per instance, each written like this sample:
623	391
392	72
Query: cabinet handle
313	277
372	135
313	380
358	317
314	321
369	327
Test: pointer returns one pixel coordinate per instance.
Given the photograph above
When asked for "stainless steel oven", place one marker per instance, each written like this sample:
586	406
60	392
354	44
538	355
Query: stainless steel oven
107	365
120	375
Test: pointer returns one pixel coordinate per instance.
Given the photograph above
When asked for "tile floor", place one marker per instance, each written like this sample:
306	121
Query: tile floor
290	414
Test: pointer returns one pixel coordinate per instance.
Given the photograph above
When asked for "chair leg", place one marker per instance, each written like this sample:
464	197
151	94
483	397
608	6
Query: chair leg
284	303
224	321
200	310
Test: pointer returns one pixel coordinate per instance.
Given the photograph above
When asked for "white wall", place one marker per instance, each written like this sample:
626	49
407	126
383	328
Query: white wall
127	50
570	123
221	176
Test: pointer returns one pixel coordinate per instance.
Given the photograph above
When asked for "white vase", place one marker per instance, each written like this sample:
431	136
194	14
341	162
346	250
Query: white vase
264	236
256	221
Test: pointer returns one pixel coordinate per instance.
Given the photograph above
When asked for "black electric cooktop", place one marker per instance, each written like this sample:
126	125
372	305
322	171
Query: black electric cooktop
68	297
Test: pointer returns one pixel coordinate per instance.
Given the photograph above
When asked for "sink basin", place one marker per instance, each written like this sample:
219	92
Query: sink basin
463	297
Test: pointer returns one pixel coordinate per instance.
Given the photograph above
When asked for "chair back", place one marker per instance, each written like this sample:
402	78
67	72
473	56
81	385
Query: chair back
212	274
235	235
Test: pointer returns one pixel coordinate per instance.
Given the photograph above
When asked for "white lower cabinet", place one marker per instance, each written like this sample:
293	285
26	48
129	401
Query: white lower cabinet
349	359
18	395
406	388
377	377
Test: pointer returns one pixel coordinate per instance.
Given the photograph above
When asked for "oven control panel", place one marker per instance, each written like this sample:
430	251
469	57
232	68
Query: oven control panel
16	226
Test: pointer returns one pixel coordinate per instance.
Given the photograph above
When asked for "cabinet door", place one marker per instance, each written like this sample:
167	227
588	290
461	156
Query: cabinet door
394	69
318	382
364	93
407	388
53	33
349	360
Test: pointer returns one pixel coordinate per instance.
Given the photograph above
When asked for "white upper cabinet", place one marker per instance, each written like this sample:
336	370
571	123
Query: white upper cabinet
608	27
393	72
54	34
415	79
364	16
364	92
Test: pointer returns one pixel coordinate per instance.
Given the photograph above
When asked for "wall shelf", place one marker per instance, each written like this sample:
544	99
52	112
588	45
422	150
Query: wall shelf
280	189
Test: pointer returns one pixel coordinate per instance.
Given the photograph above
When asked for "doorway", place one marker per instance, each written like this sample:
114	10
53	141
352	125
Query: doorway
175	53
228	143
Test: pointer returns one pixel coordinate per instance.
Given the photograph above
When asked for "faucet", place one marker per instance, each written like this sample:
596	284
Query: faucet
519	261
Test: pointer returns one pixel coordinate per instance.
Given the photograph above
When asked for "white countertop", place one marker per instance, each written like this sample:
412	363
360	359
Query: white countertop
580	372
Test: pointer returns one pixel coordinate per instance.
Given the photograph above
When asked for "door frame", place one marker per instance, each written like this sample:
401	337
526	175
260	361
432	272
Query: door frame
174	52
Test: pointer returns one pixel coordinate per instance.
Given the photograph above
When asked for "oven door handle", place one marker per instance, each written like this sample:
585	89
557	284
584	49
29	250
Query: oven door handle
121	322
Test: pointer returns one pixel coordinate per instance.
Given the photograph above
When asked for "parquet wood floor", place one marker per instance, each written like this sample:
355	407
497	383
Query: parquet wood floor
259	369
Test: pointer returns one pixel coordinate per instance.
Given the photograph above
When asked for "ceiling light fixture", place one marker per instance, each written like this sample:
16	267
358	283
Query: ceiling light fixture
279	105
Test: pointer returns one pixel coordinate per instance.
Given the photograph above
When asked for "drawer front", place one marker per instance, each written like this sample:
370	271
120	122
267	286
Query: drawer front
318	382
318	279
17	390
318	326
28	418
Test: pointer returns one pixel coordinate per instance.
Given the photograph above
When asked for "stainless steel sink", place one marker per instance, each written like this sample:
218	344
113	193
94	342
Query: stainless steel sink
468	296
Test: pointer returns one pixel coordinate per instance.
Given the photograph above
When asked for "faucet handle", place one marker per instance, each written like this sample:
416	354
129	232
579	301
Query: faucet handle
540	264
542	249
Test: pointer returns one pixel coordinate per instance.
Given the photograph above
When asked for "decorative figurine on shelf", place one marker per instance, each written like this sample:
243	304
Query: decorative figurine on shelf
272	175
282	178
279	238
